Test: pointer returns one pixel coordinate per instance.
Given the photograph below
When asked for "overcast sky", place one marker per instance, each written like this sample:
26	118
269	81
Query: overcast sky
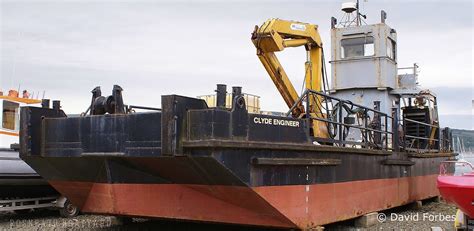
151	48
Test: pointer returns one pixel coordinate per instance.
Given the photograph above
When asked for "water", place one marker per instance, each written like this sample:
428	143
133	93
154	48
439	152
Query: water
469	157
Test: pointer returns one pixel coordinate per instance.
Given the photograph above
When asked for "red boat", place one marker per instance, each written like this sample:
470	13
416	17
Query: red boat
458	188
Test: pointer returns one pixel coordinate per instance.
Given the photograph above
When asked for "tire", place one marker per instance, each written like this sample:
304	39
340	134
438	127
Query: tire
69	210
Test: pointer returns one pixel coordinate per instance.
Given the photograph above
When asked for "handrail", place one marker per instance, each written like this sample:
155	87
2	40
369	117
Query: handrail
378	136
443	170
348	102
303	96
349	125
334	120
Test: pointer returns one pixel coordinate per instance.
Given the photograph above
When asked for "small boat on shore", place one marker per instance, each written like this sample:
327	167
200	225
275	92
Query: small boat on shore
458	188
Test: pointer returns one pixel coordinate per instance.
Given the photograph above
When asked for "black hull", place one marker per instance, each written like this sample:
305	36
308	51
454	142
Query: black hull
220	167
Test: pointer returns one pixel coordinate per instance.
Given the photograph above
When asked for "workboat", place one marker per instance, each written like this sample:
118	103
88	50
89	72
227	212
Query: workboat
370	141
458	188
17	179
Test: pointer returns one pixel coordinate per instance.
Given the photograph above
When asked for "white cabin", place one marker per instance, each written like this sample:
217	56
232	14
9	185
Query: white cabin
10	116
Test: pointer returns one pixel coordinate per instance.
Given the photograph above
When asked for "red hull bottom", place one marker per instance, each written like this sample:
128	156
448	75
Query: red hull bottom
458	190
295	206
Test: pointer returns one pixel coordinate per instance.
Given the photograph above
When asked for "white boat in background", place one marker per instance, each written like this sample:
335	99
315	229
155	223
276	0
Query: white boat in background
17	179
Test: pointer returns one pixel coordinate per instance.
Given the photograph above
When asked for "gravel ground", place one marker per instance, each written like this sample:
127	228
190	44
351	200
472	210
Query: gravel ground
434	214
50	220
429	215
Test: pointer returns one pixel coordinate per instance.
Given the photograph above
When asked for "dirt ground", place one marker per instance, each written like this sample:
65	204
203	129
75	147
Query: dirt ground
431	214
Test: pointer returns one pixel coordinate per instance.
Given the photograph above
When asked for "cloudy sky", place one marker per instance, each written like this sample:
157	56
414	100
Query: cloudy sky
151	48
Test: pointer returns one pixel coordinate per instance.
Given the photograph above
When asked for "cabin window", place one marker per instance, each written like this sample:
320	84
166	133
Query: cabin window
357	47
391	49
9	115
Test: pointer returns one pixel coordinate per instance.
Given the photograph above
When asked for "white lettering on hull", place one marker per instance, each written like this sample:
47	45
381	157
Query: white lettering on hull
277	122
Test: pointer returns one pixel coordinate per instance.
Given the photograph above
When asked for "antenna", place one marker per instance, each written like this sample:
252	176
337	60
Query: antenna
358	14
352	15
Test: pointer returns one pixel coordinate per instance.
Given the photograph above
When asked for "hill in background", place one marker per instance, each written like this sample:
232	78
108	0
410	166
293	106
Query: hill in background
466	136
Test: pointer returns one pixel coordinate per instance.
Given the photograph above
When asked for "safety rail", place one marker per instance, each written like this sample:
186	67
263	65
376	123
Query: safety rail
420	143
131	108
455	168
342	116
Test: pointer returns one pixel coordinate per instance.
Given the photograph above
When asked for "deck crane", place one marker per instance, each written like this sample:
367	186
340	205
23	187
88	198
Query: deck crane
275	35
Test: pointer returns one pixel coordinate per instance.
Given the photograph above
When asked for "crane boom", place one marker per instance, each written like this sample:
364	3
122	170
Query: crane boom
274	36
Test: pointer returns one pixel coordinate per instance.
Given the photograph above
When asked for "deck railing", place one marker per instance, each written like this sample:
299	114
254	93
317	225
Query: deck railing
348	123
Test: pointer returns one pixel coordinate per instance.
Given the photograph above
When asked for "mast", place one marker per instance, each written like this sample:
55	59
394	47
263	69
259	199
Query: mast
358	14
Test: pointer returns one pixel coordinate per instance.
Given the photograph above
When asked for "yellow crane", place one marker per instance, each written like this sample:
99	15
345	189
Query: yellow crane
274	36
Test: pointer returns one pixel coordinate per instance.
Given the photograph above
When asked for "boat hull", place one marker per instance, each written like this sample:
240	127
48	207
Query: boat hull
19	180
295	206
189	162
458	190
207	190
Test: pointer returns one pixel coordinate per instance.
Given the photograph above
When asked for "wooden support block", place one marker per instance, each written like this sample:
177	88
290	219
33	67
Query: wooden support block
416	205
317	228
367	220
